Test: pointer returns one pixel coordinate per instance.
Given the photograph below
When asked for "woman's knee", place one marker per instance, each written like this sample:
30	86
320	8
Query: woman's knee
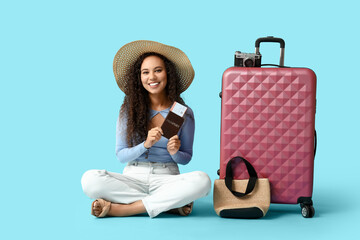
202	181
91	182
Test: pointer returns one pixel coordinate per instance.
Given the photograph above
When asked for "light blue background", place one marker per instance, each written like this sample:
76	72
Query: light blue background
59	104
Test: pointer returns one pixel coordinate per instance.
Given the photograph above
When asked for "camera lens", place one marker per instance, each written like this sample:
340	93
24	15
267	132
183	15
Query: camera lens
248	62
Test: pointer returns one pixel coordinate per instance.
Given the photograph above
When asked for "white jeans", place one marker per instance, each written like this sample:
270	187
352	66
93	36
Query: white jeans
158	185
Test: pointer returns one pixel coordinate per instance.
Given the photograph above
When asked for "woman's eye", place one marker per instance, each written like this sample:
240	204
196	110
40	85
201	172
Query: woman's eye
159	70
145	72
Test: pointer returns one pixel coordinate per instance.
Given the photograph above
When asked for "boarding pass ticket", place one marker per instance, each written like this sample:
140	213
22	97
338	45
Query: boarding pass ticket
178	109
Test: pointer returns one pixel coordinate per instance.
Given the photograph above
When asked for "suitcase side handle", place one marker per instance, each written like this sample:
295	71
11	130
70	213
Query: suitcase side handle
272	39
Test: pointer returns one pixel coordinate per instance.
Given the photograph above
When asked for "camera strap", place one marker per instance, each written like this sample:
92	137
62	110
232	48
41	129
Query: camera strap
275	65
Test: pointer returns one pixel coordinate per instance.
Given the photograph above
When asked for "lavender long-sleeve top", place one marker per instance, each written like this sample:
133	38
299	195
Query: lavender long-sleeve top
158	152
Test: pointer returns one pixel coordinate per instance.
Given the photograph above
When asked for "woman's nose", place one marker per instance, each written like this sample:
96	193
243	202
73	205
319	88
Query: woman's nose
152	76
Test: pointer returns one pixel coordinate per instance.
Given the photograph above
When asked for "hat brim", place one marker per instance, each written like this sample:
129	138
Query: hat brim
129	53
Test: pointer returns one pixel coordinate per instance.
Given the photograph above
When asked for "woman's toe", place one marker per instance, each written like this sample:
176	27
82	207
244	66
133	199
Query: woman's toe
97	208
186	210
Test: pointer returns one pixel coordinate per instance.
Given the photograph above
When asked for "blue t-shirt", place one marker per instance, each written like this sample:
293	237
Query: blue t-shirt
158	152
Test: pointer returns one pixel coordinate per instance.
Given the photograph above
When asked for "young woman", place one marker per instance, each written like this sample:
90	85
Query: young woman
152	76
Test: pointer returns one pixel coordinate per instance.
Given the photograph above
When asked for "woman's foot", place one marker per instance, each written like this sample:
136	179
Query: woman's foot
183	211
100	208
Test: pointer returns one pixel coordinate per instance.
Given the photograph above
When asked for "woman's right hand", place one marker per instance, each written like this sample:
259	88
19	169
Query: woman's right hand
153	137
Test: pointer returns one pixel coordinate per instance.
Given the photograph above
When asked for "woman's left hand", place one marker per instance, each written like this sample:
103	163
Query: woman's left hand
173	145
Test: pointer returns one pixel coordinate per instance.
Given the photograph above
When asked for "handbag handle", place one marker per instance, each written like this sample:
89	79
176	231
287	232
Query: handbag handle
229	177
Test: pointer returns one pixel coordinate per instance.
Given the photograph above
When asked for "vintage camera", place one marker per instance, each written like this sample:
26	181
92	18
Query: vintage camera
247	59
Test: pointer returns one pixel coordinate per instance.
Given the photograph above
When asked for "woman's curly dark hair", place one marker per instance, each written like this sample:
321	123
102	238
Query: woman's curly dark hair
137	103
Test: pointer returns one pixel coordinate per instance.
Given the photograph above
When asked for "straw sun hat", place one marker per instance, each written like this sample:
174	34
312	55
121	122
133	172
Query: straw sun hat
129	53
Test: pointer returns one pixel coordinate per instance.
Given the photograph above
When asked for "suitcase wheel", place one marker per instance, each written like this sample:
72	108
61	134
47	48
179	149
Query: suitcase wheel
307	211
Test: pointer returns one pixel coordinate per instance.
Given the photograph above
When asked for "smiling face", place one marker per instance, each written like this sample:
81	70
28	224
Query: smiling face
153	75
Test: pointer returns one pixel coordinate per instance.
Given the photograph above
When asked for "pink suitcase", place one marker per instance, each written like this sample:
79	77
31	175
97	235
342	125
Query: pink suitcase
268	117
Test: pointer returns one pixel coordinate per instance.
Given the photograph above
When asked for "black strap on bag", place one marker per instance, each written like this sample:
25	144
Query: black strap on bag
229	177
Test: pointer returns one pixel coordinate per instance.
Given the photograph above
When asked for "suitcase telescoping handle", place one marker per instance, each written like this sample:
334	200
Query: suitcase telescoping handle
272	39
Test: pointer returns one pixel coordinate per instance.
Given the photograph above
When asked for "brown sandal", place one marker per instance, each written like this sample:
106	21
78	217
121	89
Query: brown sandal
105	207
180	211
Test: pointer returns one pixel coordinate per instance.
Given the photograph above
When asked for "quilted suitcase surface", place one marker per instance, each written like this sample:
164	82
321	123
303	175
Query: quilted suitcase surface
268	117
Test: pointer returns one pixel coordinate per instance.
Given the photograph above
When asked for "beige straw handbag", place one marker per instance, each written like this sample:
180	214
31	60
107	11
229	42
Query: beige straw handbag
248	198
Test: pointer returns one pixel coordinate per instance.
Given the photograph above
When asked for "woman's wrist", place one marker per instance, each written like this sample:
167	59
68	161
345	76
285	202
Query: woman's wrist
147	147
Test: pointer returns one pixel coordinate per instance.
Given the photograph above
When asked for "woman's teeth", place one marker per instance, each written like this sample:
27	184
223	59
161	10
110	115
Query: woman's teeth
153	84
